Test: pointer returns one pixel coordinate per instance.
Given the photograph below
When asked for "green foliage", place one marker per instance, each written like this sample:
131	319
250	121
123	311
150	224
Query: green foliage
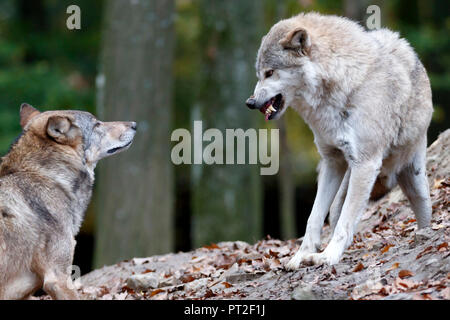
43	63
40	85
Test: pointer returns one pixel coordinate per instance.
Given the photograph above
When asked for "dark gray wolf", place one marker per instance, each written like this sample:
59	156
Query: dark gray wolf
46	184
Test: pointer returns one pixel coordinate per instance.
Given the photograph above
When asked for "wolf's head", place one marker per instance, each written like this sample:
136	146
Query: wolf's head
283	68
77	132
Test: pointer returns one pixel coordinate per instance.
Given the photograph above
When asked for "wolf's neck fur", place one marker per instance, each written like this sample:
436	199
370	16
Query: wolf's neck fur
59	170
327	99
342	50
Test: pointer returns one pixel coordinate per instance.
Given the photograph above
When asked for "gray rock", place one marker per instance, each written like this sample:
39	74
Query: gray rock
242	277
143	281
196	284
166	282
304	292
251	256
423	235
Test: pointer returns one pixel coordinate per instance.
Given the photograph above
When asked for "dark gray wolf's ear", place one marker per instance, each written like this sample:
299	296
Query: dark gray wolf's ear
60	128
26	113
297	40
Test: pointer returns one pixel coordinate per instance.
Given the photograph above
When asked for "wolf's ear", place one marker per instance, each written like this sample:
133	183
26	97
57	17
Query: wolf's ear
26	113
60	128
298	40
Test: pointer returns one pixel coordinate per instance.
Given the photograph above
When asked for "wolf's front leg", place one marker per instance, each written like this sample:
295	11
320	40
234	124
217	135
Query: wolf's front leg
330	178
362	179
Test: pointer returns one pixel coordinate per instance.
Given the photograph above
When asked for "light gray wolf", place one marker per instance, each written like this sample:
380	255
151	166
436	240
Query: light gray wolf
367	98
46	182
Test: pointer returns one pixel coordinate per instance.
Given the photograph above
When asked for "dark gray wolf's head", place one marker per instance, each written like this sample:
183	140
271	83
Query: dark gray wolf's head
76	132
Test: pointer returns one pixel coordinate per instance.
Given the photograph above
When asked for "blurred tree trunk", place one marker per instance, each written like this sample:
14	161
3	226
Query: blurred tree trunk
227	198
33	14
135	188
287	185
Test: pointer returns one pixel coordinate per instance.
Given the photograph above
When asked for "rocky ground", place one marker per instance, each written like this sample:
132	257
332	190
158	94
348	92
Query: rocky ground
388	259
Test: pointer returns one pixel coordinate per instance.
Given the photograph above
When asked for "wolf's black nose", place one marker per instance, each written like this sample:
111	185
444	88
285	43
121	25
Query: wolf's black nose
134	126
251	103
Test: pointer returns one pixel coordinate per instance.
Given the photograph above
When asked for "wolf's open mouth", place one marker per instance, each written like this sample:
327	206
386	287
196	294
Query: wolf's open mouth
272	107
114	150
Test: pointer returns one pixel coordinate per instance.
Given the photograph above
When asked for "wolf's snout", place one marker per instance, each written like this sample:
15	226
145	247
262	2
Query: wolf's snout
133	126
251	103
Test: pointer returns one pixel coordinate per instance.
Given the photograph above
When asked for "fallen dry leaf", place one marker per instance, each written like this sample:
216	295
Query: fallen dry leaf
187	278
241	261
394	266
211	246
209	293
148	271
409	221
405	274
407	284
155	292
128	289
424	252
386	248
359	267
426	296
383	291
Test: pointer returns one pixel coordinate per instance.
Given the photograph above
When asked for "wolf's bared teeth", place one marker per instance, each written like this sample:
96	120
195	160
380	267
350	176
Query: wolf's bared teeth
269	111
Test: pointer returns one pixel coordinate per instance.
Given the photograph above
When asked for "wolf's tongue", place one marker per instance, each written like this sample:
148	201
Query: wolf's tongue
266	116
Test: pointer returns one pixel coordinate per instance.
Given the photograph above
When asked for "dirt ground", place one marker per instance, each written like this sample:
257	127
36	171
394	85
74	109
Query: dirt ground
388	259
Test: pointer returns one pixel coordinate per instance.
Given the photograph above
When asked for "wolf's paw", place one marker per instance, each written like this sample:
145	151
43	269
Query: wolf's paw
316	259
321	258
297	260
293	264
309	259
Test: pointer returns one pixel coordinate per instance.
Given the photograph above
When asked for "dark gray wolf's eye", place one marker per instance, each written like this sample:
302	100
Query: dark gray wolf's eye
268	73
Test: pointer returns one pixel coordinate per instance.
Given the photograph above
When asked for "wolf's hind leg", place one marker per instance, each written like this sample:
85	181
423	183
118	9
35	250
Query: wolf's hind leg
414	184
56	267
21	287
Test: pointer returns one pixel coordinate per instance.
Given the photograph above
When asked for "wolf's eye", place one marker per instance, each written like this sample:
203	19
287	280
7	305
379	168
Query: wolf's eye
268	73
